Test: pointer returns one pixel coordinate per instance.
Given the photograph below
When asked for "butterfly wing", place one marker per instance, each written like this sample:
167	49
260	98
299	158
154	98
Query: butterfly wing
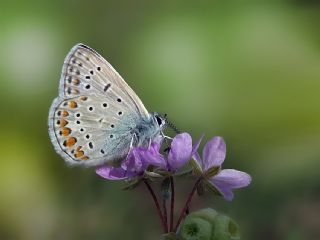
86	72
91	120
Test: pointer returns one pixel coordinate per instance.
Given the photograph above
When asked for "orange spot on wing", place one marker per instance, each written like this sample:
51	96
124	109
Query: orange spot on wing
63	122
79	154
66	131
83	98
73	104
85	158
70	142
65	114
76	82
74	91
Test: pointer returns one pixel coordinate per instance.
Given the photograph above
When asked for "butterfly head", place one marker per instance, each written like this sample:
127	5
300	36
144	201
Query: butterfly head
163	121
160	120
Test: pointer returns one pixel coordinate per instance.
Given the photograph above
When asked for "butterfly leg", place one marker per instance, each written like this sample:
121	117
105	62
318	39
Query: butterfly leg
167	149
165	136
131	142
133	139
149	144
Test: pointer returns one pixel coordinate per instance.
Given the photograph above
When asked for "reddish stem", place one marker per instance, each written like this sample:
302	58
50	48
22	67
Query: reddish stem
186	206
172	203
165	227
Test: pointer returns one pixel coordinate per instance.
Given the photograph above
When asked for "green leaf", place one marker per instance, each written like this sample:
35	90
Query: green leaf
165	188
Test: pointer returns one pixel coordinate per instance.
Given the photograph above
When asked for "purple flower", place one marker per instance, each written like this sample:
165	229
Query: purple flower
137	161
140	158
225	180
180	151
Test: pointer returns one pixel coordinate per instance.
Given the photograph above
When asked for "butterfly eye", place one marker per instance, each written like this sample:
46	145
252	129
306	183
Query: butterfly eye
159	120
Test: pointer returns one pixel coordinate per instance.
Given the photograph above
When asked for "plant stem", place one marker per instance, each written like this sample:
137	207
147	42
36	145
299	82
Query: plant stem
165	227
165	215
186	206
172	203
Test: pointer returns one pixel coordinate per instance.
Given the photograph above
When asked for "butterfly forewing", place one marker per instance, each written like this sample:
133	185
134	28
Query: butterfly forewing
86	72
91	120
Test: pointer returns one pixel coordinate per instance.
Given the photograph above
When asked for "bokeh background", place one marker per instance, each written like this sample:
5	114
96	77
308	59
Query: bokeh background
247	71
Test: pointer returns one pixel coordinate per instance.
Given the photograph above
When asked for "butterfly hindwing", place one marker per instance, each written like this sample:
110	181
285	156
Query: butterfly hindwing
88	133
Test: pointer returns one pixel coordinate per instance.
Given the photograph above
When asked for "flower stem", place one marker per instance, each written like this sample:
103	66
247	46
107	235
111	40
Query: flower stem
172	203
187	211
154	197
165	215
186	206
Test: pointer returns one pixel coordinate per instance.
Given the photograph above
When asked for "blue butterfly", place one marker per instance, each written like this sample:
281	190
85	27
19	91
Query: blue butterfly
97	117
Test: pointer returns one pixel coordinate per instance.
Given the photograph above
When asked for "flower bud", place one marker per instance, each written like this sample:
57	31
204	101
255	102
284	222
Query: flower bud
169	236
207	224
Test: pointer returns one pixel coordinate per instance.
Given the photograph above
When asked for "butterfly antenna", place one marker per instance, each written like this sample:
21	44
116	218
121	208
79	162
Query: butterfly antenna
171	125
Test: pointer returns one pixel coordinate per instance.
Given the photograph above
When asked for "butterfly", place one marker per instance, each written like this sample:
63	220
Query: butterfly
97	118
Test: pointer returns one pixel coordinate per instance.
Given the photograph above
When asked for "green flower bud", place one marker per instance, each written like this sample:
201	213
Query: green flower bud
196	229
226	229
169	236
207	224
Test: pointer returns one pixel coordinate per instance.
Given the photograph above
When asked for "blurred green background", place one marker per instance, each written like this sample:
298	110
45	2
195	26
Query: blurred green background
248	71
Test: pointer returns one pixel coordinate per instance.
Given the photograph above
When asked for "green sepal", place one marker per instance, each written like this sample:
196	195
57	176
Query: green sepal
210	188
132	184
153	174
211	172
201	188
196	167
162	172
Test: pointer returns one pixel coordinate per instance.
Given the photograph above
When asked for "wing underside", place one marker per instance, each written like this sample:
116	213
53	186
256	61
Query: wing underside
90	122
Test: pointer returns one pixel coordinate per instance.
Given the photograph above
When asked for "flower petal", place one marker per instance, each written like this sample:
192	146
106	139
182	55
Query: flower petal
180	151
195	153
197	144
152	157
228	179
197	161
214	153
157	142
133	162
112	173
